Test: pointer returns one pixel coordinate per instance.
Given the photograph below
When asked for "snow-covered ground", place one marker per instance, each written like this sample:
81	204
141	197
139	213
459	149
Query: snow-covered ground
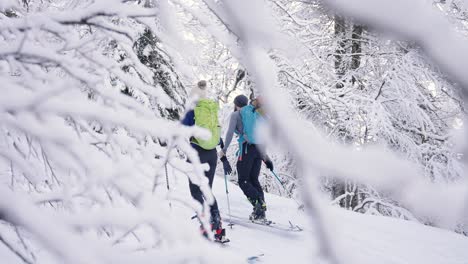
359	238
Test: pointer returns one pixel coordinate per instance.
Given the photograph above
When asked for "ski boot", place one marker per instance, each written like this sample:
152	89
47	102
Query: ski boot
219	231
258	213
220	236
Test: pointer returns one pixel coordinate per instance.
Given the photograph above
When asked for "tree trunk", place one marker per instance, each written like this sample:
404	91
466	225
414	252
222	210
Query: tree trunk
343	64
340	35
356	49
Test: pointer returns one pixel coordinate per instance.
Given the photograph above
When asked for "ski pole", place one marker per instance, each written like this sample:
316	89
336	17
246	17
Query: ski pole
288	192
277	178
167	184
227	196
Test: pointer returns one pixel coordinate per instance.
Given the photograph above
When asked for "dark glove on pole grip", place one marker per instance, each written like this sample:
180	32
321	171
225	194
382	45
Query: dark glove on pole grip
226	166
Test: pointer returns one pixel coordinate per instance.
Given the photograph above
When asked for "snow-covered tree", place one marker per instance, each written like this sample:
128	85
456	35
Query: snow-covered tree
89	133
93	91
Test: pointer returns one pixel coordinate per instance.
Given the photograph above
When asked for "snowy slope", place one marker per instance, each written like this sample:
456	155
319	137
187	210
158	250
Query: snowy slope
359	238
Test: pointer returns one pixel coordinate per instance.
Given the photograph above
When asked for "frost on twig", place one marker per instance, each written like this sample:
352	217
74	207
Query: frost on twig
89	96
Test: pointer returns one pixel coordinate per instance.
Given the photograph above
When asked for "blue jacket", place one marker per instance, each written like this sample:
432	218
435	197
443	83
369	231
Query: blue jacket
189	118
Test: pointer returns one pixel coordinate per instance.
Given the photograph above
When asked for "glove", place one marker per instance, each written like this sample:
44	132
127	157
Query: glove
226	166
221	143
268	163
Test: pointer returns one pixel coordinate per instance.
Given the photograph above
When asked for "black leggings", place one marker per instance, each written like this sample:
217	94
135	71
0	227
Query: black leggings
210	157
248	170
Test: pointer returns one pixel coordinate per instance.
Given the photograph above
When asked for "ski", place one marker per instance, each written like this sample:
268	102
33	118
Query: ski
254	259
268	223
222	242
295	227
262	222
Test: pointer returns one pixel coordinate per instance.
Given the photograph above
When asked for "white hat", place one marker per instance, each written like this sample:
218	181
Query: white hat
199	91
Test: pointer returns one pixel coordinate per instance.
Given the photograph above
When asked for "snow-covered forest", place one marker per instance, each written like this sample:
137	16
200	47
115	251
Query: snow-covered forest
365	105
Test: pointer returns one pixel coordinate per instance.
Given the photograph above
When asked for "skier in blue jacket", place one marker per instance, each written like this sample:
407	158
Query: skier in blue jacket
251	154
